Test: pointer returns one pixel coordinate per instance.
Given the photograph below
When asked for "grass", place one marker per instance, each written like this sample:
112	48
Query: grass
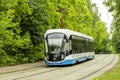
113	74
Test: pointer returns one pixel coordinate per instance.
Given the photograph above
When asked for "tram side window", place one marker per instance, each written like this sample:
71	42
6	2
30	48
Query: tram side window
87	49
82	45
91	46
74	46
77	45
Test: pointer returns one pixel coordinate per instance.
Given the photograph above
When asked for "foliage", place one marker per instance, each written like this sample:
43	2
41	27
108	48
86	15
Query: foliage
99	31
114	6
24	22
13	43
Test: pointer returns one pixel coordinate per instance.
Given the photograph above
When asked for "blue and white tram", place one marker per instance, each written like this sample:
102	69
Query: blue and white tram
64	47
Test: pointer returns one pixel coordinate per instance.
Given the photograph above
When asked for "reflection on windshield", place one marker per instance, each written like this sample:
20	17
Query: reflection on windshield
55	43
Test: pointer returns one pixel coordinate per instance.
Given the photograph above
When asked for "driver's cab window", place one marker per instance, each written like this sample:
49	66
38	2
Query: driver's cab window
65	47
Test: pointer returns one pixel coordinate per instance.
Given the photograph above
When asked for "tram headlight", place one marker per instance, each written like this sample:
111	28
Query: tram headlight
62	56
47	56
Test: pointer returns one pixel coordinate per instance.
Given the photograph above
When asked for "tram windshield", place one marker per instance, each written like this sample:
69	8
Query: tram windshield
55	43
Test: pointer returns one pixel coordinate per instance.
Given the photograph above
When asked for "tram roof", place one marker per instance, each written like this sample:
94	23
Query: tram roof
67	32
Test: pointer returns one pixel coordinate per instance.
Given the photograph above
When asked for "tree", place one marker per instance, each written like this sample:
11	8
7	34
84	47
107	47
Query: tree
114	6
10	39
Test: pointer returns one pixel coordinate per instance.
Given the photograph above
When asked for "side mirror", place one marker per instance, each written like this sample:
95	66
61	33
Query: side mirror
66	38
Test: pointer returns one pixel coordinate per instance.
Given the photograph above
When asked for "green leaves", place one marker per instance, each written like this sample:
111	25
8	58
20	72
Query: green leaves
114	6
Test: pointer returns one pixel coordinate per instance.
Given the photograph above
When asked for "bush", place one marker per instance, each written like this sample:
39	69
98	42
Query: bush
3	58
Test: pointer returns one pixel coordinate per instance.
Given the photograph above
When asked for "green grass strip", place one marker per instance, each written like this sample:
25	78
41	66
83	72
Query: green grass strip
113	74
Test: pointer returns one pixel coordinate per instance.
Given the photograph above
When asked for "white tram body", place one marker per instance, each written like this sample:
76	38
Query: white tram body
65	47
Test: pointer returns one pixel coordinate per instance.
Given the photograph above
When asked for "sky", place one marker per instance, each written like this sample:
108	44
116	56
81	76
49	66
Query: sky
105	15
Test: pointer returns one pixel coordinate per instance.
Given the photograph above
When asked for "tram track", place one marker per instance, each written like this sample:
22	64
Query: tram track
78	69
89	72
63	67
21	70
35	69
91	64
94	72
50	70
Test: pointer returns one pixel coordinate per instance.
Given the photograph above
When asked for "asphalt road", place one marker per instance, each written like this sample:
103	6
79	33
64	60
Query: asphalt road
82	71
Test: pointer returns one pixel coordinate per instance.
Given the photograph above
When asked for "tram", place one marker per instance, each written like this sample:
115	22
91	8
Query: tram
65	47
